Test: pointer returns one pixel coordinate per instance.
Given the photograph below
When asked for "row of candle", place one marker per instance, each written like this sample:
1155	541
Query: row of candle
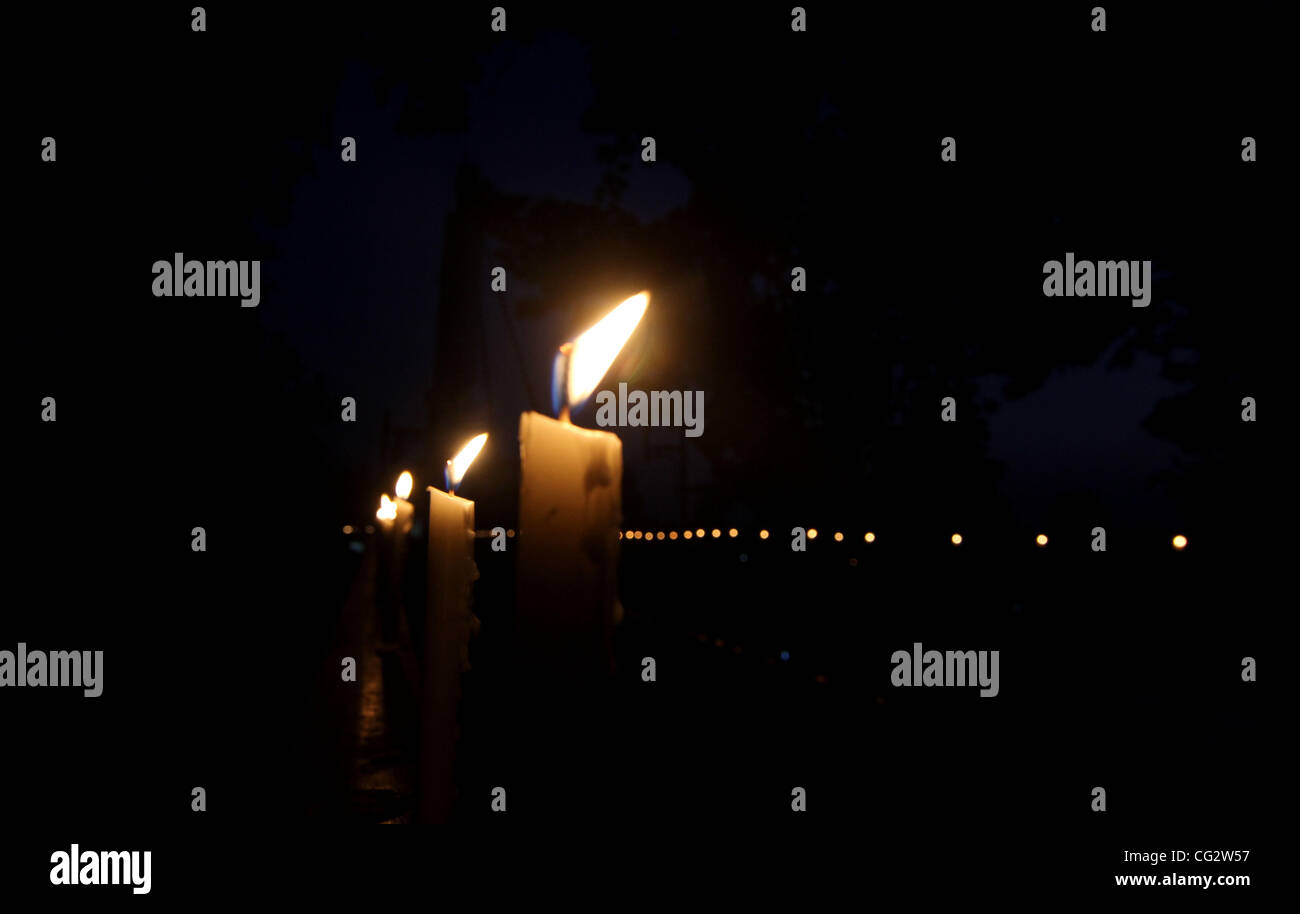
570	502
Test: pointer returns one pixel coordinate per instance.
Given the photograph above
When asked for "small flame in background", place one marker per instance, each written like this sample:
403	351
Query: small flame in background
590	355
387	508
459	465
404	484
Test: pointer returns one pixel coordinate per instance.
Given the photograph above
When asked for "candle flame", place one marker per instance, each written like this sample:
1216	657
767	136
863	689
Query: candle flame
459	465
591	354
387	508
404	484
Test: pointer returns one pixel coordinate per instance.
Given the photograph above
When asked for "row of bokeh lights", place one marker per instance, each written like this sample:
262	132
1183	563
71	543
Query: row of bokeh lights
1178	542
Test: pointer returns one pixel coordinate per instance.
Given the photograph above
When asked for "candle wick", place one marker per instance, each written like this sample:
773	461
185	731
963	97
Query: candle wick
560	382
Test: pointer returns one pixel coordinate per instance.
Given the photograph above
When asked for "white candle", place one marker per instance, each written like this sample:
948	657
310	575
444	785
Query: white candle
386	514
449	622
570	510
405	510
396	517
384	546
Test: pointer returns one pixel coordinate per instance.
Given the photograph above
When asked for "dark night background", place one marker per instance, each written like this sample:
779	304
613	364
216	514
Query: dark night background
775	150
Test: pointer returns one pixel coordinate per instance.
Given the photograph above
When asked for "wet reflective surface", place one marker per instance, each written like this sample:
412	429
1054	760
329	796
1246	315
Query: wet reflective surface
369	725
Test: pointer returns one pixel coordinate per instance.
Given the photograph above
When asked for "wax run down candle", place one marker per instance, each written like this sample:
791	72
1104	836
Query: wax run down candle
570	510
449	623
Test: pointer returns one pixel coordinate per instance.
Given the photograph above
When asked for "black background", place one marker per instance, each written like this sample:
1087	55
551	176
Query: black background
1119	669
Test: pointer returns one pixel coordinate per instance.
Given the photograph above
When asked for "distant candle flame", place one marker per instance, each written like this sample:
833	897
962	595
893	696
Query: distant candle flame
404	484
459	465
387	508
590	355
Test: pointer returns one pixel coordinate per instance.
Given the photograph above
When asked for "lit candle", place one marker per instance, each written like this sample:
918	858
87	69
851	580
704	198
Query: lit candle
387	512
449	622
405	510
570	510
396	517
385	544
